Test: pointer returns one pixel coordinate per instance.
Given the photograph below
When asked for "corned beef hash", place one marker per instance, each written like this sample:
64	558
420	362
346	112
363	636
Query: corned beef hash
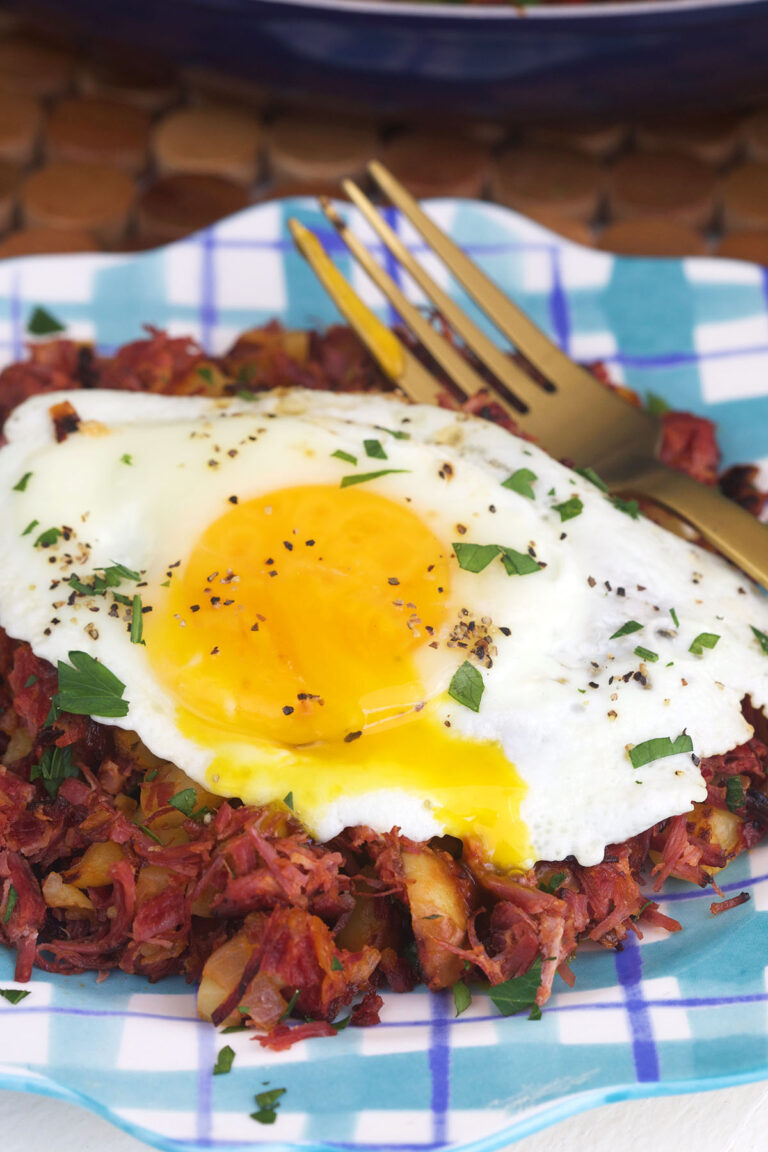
308	691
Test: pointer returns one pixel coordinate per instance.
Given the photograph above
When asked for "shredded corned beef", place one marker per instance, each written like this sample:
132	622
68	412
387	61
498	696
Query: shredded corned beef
101	871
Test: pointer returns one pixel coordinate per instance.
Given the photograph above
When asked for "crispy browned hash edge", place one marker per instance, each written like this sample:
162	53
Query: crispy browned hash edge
112	858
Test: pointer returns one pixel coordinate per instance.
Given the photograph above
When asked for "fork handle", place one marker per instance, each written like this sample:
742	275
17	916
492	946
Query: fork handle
730	529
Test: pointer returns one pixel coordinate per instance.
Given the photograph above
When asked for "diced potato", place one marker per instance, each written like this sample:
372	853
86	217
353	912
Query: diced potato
439	915
57	894
125	804
129	744
296	345
151	881
362	926
93	868
719	826
158	792
222	973
19	746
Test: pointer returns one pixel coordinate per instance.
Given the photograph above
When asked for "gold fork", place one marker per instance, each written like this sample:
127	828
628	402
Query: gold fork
573	417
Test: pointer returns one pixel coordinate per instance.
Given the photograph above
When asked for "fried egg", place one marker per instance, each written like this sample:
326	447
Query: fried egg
382	613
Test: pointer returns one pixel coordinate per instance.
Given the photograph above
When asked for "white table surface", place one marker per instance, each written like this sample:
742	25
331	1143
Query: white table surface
729	1120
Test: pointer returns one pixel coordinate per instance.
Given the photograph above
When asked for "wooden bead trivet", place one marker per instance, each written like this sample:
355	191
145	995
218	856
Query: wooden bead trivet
595	137
31	68
307	148
217	141
438	164
535	179
651	236
91	198
175	206
91	129
665	185
45	241
749	245
755	135
712	139
745	196
146	85
20	122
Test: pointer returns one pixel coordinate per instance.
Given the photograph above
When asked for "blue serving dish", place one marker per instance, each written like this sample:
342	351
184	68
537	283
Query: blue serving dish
489	61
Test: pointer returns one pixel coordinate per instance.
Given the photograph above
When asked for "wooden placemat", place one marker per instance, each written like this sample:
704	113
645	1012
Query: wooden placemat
95	154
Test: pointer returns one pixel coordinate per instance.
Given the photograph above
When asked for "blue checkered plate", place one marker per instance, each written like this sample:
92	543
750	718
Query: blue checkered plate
668	1014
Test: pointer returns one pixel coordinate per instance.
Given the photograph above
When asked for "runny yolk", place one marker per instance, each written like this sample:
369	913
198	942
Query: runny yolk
290	639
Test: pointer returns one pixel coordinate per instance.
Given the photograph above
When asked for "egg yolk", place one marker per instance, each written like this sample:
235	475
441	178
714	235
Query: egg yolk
304	641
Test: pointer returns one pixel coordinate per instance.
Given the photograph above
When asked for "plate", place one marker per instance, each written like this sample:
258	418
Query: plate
668	1014
506	62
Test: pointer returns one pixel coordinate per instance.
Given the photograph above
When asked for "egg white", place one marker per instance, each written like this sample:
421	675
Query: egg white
563	699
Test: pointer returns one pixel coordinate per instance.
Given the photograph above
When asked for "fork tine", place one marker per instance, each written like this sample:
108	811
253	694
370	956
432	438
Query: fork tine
511	321
503	368
400	365
459	371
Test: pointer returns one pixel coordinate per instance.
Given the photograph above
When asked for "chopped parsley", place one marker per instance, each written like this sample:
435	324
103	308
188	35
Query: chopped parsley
646	654
535	1013
520	482
627	629
30	680
126	458
42	323
13	897
137	621
364	477
398	435
631	507
592	476
150	832
475	557
288	801
336	965
345	456
702	641
22	484
13	995
47	538
267	1104
117	572
656	405
54	767
569	509
462	997
234	1028
519	993
289	1006
224	1061
675	620
659	748
374	449
206	373
184	801
87	688
30	527
518	563
734	793
104	579
552	883
467	687
761	638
